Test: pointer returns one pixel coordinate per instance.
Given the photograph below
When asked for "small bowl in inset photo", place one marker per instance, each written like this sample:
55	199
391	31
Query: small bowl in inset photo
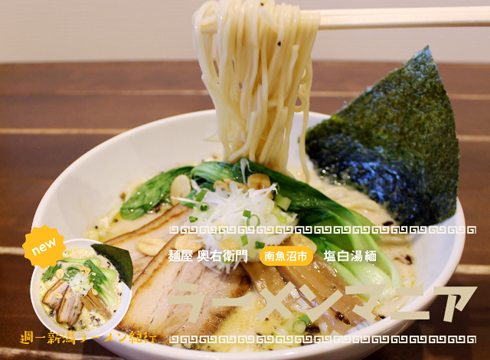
87	323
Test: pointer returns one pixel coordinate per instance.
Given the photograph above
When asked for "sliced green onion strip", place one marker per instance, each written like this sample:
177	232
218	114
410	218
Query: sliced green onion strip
282	201
226	261
204	207
192	219
299	327
201	195
250	218
275	210
259	245
282	218
221	238
244	239
247	213
304	318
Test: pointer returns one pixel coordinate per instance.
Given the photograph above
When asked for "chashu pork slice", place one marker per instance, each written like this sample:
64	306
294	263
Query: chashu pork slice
158	228
150	311
231	285
70	308
54	296
173	316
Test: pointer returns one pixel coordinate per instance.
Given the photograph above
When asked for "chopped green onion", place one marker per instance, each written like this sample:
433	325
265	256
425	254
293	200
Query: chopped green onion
305	318
192	219
204	207
282	218
259	245
244	239
299	327
247	213
201	195
227	261
282	201
221	238
275	210
250	218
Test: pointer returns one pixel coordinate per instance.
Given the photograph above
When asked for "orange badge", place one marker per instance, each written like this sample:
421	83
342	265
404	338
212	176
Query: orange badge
286	255
44	246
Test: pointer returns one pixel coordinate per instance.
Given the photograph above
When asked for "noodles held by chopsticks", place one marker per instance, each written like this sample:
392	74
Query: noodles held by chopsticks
257	69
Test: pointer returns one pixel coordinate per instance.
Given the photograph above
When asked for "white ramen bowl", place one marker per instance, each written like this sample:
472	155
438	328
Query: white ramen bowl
90	187
79	335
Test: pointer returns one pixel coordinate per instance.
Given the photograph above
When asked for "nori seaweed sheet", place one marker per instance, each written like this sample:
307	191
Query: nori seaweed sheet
396	143
120	258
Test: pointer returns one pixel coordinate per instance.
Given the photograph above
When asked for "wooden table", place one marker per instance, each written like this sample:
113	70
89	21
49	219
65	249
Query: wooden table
50	114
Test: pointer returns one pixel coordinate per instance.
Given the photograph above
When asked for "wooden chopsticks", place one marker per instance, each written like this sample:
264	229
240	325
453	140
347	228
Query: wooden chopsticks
404	17
395	18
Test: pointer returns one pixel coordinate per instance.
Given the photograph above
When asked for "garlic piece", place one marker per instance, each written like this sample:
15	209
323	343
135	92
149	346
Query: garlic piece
181	187
150	246
259	182
59	273
225	185
229	244
188	242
